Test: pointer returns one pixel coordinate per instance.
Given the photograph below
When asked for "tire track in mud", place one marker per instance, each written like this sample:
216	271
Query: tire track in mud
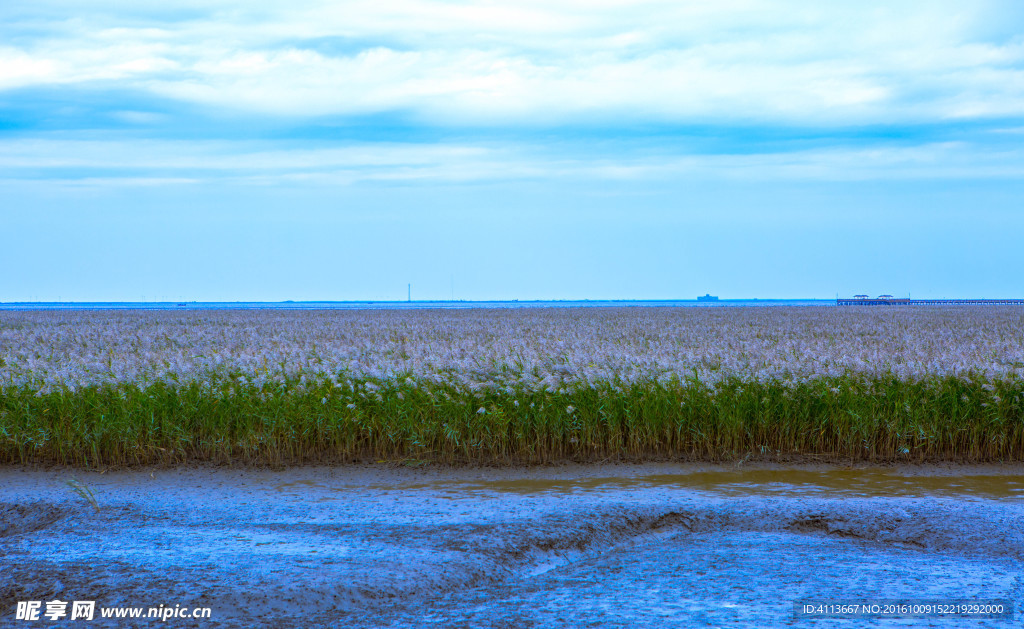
24	518
524	549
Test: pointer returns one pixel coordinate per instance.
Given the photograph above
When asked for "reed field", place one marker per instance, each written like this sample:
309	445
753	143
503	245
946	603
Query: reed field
112	388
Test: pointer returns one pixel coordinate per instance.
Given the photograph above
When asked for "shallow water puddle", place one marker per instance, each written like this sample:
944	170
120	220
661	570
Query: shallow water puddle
863	483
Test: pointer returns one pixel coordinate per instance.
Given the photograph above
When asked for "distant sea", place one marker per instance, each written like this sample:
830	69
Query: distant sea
407	305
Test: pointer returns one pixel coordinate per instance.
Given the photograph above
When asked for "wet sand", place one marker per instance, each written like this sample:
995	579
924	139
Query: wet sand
597	545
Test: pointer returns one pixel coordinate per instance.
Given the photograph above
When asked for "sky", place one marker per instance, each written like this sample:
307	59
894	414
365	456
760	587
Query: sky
224	150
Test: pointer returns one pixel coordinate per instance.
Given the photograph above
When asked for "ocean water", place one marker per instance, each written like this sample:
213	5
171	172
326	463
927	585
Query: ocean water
405	305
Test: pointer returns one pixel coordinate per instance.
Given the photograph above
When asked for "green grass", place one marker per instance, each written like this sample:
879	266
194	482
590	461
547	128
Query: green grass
228	421
83	491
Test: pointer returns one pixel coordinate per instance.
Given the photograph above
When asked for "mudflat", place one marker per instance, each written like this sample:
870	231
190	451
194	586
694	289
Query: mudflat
389	545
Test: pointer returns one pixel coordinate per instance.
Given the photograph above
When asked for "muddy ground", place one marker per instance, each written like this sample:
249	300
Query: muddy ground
597	545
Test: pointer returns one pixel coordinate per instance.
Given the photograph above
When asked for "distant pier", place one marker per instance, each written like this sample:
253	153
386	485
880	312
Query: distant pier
906	301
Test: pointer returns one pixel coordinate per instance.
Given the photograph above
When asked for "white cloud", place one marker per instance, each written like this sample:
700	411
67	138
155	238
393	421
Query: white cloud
176	162
18	68
537	62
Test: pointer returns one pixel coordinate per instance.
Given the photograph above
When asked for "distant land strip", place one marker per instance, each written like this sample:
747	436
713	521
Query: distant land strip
906	301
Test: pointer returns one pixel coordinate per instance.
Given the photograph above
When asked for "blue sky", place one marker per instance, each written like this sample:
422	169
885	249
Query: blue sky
224	150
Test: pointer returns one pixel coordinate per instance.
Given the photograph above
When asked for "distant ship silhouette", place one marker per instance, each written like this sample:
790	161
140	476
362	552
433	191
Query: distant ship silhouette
708	297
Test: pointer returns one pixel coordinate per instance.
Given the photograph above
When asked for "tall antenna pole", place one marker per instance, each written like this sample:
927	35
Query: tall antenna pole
410	291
